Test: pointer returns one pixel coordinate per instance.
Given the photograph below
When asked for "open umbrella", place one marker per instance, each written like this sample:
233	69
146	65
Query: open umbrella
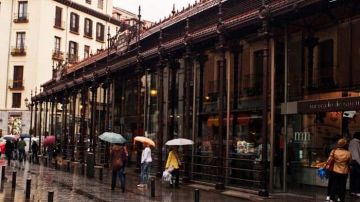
25	135
179	142
144	140
11	137
49	140
112	138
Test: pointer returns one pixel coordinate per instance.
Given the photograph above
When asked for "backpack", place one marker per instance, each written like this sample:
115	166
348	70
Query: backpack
118	157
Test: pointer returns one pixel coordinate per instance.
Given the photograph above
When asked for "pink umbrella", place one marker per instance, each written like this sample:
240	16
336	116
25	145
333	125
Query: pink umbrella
49	140
2	147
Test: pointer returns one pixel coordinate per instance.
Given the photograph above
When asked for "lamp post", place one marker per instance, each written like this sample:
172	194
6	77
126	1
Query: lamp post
30	107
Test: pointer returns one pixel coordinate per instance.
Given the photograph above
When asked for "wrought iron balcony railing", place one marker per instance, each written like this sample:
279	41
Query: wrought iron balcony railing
16	84
72	58
58	55
21	18
18	50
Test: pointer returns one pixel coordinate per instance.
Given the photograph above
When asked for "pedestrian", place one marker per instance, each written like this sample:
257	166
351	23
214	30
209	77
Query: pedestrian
173	165
118	159
338	174
354	148
145	165
21	149
35	150
9	147
50	152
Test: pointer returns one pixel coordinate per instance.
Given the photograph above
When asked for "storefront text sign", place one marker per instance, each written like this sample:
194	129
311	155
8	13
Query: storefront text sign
339	104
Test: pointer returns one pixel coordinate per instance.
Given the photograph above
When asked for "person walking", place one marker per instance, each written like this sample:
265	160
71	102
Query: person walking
338	175
145	165
354	148
50	152
118	159
9	147
173	165
35	150
21	149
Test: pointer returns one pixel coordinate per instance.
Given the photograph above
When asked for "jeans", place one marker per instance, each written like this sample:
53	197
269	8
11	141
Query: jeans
21	155
145	171
121	174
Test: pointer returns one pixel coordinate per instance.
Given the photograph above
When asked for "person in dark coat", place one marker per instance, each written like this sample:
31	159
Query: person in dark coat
35	150
9	148
118	159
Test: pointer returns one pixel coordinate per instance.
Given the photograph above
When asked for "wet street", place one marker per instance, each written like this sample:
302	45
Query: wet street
74	187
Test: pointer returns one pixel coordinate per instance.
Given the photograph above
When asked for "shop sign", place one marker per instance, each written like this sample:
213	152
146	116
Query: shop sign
302	136
339	104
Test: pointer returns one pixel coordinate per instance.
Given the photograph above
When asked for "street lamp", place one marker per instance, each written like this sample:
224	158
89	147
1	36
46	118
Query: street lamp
27	104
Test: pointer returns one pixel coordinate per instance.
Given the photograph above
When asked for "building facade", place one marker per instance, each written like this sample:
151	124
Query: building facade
42	36
264	90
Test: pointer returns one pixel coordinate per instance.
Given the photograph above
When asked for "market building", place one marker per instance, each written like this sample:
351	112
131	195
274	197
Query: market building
264	88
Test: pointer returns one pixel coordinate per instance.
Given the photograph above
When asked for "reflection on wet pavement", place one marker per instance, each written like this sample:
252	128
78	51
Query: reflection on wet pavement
73	187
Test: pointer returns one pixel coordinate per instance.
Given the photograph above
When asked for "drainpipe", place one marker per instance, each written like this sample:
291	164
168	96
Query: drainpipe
8	62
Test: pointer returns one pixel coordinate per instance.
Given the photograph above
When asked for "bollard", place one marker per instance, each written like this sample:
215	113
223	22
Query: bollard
197	195
50	196
152	187
100	174
3	173
28	188
83	169
14	180
68	166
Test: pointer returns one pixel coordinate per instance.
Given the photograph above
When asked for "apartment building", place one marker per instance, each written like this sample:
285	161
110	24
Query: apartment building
38	36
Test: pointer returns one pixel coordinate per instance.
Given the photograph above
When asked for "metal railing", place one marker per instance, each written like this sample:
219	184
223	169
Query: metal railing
73	58
16	84
18	50
21	17
58	55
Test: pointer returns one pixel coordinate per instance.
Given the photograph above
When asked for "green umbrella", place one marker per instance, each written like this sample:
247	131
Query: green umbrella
112	138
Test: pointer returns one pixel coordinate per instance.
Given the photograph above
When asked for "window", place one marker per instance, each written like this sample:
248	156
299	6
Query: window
18	77
22	10
86	51
88	1
88	27
57	44
100	32
74	22
100	4
325	70
20	40
16	100
73	52
58	17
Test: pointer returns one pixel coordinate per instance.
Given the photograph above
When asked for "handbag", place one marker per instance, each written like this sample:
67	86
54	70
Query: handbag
329	166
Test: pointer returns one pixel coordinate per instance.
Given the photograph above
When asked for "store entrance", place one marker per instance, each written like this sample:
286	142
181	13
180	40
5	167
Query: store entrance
310	139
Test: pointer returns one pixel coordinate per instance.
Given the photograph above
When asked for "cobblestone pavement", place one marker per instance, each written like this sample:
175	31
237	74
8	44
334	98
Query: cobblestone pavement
74	187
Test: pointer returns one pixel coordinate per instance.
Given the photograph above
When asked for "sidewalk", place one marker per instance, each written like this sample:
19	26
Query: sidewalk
73	187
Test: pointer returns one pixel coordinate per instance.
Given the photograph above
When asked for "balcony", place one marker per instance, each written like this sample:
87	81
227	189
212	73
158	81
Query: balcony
16	84
18	51
21	18
59	24
73	58
58	55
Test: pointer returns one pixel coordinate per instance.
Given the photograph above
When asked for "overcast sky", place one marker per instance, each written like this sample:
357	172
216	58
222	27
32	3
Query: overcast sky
152	10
